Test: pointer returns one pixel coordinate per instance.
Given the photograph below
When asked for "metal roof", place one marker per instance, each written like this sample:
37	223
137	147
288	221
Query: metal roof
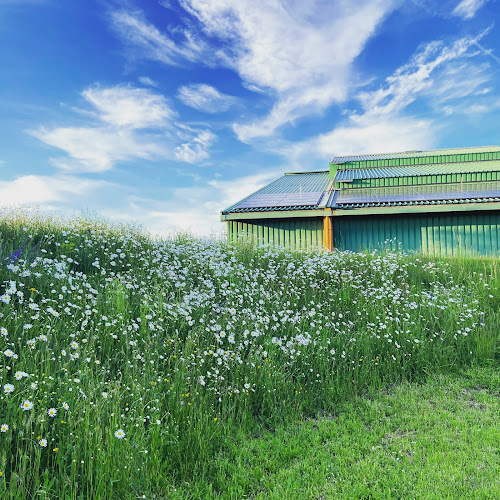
313	190
350	174
309	188
273	209
413	154
421	202
425	192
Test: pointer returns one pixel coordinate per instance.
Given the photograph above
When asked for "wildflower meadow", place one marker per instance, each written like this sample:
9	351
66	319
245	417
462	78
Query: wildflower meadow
129	363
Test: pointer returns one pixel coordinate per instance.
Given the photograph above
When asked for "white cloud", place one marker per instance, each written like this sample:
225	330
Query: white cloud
413	78
300	52
97	149
122	113
145	80
145	40
232	190
205	98
195	209
196	149
363	134
134	108
489	104
467	9
40	189
382	125
165	3
133	123
450	83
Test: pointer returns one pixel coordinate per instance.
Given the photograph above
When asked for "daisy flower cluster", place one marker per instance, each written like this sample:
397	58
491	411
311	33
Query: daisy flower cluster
113	340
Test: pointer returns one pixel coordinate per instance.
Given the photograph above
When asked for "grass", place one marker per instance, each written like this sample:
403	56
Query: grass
132	367
437	440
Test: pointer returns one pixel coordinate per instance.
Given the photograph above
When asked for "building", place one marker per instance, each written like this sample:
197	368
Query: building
442	202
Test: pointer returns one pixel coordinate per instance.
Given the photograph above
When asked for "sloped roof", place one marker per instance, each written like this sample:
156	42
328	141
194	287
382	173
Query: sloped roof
307	189
316	190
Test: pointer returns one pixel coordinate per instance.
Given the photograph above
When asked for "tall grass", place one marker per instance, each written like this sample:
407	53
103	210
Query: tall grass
153	354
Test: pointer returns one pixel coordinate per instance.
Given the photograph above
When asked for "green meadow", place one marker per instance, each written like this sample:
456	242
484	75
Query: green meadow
134	367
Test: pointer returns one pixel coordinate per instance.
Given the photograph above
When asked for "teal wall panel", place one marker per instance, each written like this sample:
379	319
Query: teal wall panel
468	233
474	233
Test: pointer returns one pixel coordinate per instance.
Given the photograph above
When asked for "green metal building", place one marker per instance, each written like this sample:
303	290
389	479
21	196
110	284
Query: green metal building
442	202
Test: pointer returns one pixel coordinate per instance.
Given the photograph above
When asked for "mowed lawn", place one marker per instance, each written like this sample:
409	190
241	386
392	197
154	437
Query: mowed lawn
437	440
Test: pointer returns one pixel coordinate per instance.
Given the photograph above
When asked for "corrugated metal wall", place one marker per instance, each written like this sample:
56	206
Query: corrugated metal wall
301	233
476	233
424	160
422	179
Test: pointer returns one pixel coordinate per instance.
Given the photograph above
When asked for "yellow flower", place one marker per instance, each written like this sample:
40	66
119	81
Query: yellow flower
215	419
55	449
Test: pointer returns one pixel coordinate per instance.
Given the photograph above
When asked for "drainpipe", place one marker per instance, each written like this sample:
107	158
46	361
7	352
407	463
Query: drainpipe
327	234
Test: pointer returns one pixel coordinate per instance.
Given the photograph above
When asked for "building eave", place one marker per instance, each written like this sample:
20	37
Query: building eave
288	214
413	209
340	212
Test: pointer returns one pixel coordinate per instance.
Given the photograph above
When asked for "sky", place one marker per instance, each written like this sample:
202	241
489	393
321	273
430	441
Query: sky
165	112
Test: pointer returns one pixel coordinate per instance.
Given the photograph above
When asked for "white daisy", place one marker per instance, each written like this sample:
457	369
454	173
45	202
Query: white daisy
8	388
120	434
27	405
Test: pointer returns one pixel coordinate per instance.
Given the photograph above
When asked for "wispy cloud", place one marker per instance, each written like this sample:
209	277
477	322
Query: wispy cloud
382	124
488	106
121	113
487	52
144	40
128	124
467	9
42	189
410	80
96	149
205	98
133	108
451	85
196	149
303	77
259	41
145	80
195	208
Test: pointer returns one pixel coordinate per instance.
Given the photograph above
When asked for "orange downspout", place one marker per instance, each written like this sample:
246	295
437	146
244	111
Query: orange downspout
327	234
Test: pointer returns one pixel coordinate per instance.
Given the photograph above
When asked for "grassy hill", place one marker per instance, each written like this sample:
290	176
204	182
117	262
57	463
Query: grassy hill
132	366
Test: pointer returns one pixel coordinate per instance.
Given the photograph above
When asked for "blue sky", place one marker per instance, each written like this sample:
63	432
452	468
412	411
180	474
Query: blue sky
167	111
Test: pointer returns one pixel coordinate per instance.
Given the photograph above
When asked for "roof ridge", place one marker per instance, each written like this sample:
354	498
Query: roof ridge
415	151
308	172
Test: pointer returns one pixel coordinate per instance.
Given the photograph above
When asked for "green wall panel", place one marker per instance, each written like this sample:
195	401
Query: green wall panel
476	233
423	160
421	179
297	234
